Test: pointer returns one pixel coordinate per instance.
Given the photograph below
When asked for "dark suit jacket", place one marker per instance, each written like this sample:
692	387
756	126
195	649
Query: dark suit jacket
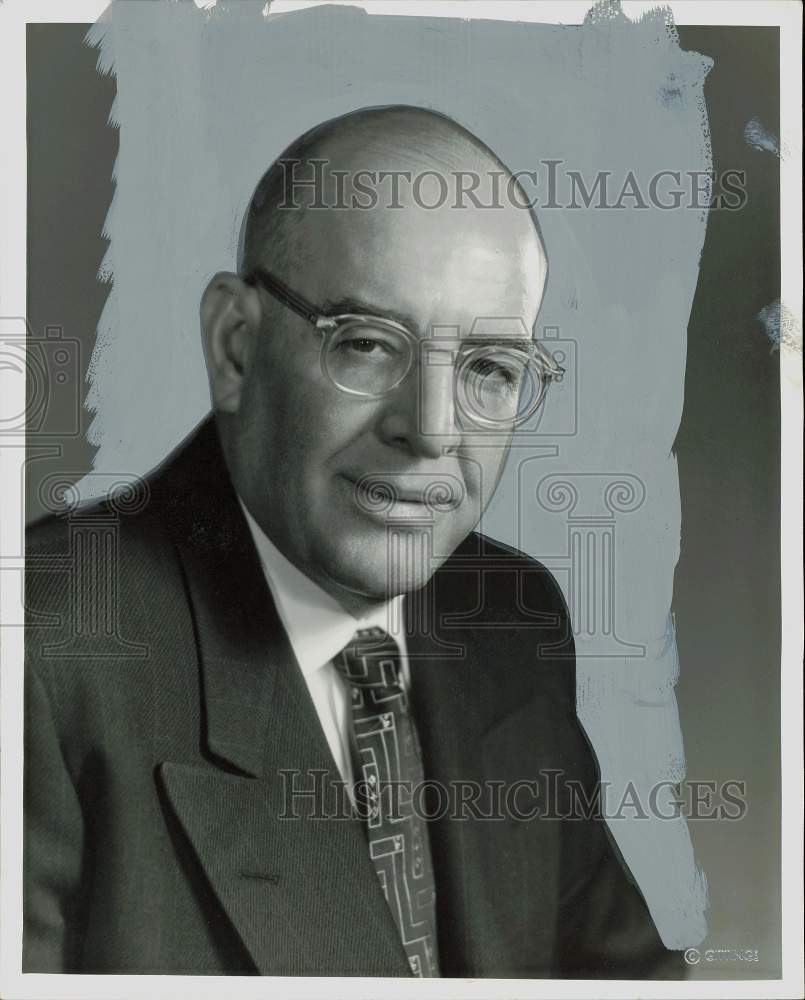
163	700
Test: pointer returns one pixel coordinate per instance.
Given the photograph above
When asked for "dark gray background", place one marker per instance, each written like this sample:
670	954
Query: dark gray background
726	595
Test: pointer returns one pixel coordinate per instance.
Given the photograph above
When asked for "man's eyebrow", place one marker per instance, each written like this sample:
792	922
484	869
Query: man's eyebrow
349	304
520	344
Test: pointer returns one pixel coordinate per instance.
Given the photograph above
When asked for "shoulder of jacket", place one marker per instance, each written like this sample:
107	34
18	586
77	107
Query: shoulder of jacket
117	535
508	572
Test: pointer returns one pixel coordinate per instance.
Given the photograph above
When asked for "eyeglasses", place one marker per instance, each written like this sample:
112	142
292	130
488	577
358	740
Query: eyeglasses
369	356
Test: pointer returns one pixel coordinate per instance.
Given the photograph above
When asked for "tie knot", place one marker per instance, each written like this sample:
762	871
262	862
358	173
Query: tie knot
371	659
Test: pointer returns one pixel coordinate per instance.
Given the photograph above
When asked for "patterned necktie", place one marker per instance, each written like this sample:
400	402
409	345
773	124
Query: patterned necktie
387	764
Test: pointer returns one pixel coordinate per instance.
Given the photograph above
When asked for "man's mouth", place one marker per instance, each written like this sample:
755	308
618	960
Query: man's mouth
405	495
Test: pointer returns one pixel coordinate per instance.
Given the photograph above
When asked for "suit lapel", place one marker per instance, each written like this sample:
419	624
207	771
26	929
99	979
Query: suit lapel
298	887
299	890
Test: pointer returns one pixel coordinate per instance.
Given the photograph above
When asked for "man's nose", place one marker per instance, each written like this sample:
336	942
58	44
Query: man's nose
423	415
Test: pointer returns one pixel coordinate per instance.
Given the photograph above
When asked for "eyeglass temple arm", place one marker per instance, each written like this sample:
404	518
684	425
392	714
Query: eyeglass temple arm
303	308
554	371
284	294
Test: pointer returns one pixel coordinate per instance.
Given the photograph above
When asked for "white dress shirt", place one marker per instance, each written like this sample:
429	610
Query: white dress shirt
318	629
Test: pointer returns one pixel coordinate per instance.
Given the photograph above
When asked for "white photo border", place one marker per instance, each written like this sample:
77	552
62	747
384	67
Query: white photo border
787	14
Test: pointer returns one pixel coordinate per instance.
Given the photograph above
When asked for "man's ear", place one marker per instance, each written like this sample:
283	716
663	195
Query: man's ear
230	320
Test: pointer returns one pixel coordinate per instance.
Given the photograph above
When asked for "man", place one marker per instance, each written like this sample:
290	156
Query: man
298	598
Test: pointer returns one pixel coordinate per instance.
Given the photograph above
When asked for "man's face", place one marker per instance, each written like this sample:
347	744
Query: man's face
305	446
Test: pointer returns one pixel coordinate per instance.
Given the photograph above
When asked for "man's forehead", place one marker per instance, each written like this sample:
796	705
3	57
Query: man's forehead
425	270
485	240
432	178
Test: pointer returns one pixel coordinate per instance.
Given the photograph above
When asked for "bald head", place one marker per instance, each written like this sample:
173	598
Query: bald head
382	162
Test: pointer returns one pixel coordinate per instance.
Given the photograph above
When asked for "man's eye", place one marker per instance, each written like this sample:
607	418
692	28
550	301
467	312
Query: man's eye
489	368
367	348
364	345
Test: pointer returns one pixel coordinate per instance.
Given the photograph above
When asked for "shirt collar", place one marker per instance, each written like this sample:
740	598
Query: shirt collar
318	627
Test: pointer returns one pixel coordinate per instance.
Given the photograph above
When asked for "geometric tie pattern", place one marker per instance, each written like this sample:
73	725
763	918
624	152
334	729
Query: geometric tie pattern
387	764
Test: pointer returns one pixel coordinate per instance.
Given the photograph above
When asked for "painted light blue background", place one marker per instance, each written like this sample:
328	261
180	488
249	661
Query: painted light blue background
206	100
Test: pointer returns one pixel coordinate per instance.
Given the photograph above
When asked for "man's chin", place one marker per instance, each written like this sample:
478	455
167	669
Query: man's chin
374	572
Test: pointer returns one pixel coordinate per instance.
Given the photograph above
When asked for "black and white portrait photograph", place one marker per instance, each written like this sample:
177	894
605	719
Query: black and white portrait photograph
400	424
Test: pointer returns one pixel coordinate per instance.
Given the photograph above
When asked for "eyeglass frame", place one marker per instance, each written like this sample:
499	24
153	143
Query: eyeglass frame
551	370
